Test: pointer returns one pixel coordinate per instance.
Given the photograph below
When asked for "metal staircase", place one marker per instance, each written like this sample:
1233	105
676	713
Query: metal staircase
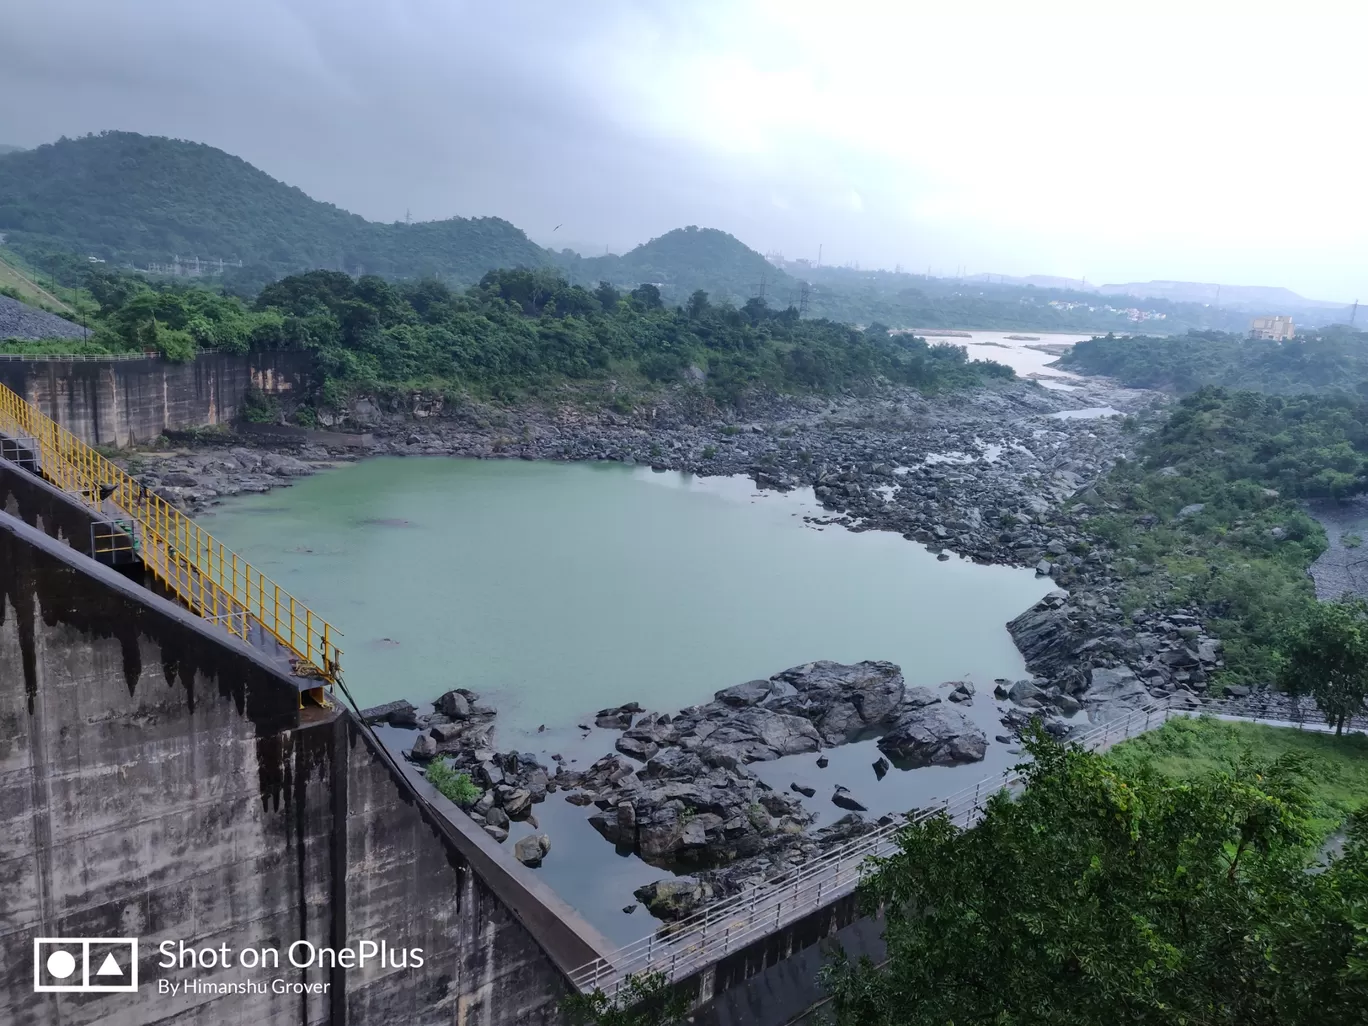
207	578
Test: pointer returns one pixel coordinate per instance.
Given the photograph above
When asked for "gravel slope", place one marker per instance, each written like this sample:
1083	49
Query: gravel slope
19	320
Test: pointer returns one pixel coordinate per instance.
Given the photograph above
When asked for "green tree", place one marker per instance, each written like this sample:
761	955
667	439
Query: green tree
1101	897
1326	657
643	1000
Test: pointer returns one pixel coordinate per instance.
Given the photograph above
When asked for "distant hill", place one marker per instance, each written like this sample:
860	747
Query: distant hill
687	259
144	199
5	148
1254	298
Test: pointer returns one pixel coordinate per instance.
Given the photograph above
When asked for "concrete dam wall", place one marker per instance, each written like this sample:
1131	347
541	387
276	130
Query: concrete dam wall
121	402
159	780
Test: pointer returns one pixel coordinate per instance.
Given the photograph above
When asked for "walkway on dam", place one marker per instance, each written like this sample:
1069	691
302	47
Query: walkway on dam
681	949
140	525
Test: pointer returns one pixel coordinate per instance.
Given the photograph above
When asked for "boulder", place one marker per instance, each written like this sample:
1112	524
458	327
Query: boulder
498	833
844	701
842	799
396	714
938	735
454	704
674	898
1113	691
617	718
753	692
517	802
962	692
916	698
636	748
424	747
530	850
496	816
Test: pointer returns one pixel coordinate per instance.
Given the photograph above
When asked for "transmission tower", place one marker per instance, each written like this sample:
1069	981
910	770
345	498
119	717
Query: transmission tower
803	293
759	288
1353	313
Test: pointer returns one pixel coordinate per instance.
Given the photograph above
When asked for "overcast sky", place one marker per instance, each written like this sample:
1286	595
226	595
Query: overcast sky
1203	141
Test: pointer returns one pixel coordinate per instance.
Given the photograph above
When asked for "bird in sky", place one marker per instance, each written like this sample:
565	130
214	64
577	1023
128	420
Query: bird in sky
557	228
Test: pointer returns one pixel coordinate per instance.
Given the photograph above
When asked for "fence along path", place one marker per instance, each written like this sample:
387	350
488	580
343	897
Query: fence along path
676	950
209	579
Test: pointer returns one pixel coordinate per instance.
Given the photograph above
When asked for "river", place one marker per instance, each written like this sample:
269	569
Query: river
556	589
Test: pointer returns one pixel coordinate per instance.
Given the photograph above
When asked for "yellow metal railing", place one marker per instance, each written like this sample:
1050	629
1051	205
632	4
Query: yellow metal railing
210	579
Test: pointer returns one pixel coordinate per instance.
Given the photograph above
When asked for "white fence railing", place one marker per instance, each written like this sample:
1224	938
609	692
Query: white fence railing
90	357
678	949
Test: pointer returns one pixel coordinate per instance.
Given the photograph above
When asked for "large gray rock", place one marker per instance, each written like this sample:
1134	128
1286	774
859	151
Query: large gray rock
753	692
454	704
673	899
1113	692
400	713
845	701
530	850
935	735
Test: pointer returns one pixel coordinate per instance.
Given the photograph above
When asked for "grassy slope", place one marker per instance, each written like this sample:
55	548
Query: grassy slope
29	290
1336	769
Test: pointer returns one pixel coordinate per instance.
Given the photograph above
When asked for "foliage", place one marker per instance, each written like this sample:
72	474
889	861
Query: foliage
1242	557
456	786
1334	359
521	327
259	407
142	199
1325	656
1334	769
1106	896
643	1000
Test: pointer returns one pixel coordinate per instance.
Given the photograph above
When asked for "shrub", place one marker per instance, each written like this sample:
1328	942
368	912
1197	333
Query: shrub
456	786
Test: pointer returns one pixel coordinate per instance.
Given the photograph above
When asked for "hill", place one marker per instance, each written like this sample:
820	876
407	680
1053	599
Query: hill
142	200
5	148
687	259
1335	359
1252	298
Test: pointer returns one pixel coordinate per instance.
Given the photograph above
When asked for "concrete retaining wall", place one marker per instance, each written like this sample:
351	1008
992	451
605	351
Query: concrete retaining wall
120	402
158	780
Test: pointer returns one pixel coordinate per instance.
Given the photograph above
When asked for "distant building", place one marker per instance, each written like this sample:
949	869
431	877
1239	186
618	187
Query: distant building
1277	328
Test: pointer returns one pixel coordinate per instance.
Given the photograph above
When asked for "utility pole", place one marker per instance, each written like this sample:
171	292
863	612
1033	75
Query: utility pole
819	254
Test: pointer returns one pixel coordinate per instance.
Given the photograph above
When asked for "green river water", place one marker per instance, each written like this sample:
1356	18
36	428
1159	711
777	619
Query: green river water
558	589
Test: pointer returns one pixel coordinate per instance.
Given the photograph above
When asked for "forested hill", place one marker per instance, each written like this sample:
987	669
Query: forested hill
1334	359
130	198
687	259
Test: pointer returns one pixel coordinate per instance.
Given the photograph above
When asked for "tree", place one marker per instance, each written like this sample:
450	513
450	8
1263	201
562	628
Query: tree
648	296
607	296
1326	656
698	304
644	1000
1098	897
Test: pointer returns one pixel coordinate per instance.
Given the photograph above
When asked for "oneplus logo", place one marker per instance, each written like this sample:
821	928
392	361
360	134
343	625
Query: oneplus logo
85	965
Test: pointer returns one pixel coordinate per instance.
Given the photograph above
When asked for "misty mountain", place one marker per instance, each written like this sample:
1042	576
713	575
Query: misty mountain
142	200
6	148
1254	298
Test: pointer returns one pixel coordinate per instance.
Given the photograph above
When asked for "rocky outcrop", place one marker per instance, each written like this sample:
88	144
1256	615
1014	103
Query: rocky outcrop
678	791
934	735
